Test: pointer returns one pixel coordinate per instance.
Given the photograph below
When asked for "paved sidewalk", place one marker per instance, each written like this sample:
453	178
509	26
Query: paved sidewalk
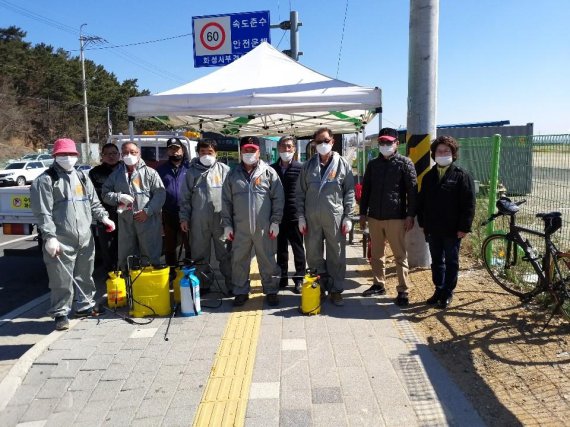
357	365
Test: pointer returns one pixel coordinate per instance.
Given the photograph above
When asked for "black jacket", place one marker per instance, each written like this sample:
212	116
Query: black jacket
389	188
447	206
98	176
289	180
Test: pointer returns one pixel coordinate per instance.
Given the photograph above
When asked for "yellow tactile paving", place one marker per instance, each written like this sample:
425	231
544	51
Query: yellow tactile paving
225	397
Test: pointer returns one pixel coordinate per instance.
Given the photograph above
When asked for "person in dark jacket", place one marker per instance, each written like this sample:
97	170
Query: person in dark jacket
388	203
288	170
445	211
173	175
106	241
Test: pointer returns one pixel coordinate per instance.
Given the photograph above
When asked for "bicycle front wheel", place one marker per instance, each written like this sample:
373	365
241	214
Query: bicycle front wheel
507	264
561	283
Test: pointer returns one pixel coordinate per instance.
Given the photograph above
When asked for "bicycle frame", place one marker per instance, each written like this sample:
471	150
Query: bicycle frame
550	254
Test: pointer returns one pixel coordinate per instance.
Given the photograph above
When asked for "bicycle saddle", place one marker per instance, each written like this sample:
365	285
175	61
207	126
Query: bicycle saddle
552	221
547	215
506	206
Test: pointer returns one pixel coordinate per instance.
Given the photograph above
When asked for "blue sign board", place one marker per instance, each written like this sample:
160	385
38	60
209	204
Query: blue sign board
221	39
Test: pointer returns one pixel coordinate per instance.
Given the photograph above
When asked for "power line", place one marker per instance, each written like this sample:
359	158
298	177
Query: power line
124	55
52	101
341	39
137	43
37	17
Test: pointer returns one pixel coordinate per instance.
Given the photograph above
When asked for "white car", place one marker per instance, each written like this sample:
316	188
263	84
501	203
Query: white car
46	158
21	173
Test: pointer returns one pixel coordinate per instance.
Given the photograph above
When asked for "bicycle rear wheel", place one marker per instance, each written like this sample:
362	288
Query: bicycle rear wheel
507	264
561	292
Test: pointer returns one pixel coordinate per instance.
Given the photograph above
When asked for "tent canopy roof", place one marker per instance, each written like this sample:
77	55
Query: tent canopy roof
262	93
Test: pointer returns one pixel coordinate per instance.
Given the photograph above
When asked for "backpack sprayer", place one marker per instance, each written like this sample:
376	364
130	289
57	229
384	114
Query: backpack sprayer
310	294
148	292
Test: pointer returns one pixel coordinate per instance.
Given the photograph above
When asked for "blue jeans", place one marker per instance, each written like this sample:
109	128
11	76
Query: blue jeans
444	263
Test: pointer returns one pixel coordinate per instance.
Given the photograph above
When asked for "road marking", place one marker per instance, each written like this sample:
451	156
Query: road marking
226	393
19	239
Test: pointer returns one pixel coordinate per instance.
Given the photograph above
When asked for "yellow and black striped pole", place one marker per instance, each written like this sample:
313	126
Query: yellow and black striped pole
418	152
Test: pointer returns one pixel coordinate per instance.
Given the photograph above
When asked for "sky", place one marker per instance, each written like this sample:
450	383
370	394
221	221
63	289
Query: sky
498	59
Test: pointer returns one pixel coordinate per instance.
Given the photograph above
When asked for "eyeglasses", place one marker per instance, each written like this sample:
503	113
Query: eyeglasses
325	141
385	143
111	153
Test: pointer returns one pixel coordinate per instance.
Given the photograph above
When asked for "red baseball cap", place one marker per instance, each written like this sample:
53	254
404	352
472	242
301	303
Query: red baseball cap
249	142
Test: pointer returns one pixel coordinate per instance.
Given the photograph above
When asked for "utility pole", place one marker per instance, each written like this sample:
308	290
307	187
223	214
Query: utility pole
293	26
422	103
83	40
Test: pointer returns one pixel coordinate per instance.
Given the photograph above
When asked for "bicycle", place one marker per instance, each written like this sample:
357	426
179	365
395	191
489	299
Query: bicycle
515	265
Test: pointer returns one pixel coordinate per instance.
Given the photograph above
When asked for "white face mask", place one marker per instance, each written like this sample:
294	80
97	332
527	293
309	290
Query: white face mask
443	161
130	159
66	162
386	150
249	158
324	148
207	160
286	157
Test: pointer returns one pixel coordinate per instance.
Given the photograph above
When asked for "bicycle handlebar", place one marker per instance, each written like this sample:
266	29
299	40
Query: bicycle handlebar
498	214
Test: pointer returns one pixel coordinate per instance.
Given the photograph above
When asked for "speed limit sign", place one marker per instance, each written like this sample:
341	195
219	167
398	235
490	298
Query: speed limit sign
212	36
222	39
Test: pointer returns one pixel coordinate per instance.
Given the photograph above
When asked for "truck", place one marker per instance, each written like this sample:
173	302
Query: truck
153	145
16	215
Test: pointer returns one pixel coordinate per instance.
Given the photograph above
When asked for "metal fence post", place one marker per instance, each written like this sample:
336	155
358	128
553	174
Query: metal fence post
495	159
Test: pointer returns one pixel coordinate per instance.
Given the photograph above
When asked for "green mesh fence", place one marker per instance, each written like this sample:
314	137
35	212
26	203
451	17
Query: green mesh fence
535	168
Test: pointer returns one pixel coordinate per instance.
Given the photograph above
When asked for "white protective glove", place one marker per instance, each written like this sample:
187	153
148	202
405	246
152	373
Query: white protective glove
273	231
302	225
126	199
52	247
109	224
228	234
346	226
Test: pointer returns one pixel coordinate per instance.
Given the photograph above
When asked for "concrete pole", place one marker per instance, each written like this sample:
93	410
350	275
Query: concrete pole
84	85
422	102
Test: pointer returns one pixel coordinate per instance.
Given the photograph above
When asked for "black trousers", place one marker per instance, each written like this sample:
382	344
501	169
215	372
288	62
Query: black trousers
173	237
107	245
289	233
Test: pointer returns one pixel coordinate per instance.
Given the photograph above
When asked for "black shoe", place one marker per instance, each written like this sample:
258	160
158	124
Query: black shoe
298	287
272	300
61	323
375	289
444	302
402	299
283	281
336	299
205	291
240	300
90	312
229	294
434	298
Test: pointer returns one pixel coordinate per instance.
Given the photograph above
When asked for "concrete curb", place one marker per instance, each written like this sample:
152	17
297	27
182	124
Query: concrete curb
14	379
23	309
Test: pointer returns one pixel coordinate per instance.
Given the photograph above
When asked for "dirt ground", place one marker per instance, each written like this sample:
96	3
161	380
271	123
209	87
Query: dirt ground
513	371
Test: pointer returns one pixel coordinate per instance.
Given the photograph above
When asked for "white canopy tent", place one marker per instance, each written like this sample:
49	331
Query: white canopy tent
263	93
